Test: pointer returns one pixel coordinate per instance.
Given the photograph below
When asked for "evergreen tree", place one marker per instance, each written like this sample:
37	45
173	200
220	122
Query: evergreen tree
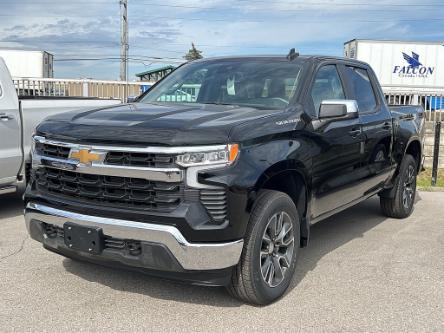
193	53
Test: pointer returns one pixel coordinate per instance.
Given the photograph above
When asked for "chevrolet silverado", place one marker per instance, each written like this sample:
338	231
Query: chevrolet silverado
215	175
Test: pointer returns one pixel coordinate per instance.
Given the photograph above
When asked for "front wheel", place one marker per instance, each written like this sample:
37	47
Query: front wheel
401	205
270	251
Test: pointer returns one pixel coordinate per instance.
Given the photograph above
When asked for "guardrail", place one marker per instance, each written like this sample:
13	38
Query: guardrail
79	88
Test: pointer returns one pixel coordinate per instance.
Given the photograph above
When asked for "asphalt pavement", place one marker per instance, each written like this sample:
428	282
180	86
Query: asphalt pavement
361	272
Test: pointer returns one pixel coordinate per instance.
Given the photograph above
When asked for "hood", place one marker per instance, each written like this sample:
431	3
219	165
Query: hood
155	124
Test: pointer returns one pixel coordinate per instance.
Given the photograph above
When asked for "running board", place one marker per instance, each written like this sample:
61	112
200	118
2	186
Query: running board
9	189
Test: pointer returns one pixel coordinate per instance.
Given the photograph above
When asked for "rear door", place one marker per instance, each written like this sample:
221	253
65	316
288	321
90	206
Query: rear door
10	129
337	151
376	123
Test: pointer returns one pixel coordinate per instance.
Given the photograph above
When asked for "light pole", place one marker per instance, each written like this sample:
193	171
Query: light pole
124	47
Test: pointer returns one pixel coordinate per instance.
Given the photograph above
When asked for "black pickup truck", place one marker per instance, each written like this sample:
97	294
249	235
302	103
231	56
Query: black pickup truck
215	175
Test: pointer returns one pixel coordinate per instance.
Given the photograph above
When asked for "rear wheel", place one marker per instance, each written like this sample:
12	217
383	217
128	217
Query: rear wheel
401	205
270	250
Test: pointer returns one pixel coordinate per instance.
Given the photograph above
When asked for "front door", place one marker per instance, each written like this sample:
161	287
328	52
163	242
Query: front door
339	145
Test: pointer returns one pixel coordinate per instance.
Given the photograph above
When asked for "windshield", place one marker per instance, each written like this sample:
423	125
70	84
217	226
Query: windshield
264	83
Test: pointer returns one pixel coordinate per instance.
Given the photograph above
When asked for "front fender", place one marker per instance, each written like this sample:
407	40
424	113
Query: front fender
256	164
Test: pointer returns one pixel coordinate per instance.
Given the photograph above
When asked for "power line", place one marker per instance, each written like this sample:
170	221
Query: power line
101	43
98	41
204	45
90	44
93	56
302	3
320	20
117	59
112	56
59	41
299	3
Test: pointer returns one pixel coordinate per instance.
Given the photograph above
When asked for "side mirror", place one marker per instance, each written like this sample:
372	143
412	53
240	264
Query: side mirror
338	108
131	99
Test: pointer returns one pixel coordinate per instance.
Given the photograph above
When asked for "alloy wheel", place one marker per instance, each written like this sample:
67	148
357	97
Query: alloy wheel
409	189
277	249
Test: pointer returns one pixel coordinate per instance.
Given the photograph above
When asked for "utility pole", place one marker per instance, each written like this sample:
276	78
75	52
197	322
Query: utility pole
124	40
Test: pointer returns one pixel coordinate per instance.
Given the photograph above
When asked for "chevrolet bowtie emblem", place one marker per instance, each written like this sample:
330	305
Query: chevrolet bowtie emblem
84	156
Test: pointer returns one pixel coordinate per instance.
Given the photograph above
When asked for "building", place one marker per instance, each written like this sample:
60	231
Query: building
25	63
156	74
401	64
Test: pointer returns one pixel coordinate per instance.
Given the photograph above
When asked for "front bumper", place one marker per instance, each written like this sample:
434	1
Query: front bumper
165	240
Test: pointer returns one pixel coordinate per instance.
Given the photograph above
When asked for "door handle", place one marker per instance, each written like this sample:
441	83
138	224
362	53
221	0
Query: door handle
355	132
6	117
387	126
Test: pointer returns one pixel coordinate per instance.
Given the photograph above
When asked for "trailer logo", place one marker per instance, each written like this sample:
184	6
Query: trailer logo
414	69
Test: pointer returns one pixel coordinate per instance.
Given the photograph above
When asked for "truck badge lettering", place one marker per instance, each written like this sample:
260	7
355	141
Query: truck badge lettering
285	122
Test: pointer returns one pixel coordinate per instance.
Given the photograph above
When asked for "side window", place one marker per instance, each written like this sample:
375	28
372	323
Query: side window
327	85
1	91
362	88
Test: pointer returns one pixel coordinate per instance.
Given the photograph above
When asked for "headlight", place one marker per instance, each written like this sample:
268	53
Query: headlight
33	143
222	156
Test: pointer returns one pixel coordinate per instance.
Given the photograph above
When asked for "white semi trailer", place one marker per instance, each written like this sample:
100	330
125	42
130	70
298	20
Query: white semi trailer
25	63
401	64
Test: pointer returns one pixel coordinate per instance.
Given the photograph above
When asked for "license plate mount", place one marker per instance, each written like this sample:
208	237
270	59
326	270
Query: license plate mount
82	238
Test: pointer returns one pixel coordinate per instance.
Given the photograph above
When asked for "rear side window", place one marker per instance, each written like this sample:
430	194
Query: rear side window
362	88
327	85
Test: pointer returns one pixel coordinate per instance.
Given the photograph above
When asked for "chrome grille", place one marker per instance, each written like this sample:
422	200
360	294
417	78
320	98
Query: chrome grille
109	190
215	201
49	150
116	158
139	159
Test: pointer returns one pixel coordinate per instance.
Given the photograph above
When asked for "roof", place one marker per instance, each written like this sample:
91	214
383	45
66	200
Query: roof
395	41
264	58
280	57
22	50
155	70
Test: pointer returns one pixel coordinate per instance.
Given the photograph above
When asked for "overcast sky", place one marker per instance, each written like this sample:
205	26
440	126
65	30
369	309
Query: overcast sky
165	28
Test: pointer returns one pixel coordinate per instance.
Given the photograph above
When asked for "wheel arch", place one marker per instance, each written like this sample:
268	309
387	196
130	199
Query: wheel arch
414	149
291	179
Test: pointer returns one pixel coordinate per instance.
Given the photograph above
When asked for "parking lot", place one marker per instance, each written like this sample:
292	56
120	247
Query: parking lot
361	272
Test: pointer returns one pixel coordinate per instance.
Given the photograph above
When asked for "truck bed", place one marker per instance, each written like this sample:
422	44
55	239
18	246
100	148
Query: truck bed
402	110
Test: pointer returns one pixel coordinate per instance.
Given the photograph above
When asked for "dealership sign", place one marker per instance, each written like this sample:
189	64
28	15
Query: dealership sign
414	68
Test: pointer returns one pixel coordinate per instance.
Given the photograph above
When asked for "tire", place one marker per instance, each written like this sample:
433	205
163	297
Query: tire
254	281
401	205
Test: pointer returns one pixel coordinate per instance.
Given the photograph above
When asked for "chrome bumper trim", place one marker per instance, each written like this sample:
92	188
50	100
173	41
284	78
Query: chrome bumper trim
192	256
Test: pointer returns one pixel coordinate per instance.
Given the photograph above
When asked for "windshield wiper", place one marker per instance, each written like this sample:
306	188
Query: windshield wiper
214	103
